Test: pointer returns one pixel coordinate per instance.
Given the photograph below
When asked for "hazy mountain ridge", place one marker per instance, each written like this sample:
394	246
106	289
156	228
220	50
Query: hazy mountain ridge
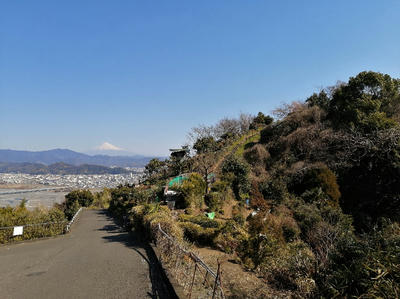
70	157
58	168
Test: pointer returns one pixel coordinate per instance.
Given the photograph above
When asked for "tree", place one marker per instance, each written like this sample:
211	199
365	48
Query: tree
155	169
237	168
370	101
204	163
320	99
261	120
83	197
205	145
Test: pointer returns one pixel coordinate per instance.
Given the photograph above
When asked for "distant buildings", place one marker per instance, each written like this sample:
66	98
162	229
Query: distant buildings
72	181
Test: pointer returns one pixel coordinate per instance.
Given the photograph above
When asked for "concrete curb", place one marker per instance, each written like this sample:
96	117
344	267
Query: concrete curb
178	289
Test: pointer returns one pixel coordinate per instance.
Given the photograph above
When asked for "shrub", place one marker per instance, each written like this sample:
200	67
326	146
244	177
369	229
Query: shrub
274	190
231	237
279	225
290	229
290	267
261	120
214	201
71	207
307	216
237	214
195	233
220	186
205	145
201	220
326	179
74	200
102	199
257	155
368	265
147	217
123	198
20	215
83	197
191	192
257	200
266	134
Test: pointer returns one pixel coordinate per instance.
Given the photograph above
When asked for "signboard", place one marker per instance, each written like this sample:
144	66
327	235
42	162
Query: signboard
18	230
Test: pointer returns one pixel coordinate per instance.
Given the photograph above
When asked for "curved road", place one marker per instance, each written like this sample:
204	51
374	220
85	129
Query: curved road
95	260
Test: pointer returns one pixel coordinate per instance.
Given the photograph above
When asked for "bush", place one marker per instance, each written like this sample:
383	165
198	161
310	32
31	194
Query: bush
317	184
220	186
307	216
83	197
274	190
231	237
147	217
205	145
191	192
257	155
290	267
195	233
201	220
124	198
237	214
70	209
20	215
102	199
214	201
266	134
368	265
257	200
279	225
261	120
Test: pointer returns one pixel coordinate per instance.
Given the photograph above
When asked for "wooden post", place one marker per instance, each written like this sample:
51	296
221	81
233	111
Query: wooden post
216	280
205	278
194	275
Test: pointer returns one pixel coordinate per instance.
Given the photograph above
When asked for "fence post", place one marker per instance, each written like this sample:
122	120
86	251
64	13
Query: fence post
216	280
194	275
205	278
177	250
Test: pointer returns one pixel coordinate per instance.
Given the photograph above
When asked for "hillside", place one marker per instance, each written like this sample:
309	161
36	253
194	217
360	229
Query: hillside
70	157
306	204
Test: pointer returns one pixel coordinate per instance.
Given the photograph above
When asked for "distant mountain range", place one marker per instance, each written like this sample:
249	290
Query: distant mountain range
59	168
70	157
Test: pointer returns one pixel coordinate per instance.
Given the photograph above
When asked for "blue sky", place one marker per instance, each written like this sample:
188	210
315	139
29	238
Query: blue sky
140	74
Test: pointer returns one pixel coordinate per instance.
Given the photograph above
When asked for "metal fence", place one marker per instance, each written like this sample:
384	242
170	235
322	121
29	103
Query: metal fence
35	230
194	275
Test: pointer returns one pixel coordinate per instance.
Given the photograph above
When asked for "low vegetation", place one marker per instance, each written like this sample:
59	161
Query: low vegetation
307	201
43	222
40	223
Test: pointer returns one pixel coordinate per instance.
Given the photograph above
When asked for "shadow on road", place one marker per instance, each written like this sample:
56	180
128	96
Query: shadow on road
161	287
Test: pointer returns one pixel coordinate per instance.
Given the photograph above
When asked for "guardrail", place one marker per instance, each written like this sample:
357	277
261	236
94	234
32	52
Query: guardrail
30	231
73	219
191	272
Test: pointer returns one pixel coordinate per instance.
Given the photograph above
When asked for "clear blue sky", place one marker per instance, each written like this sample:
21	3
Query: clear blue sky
140	74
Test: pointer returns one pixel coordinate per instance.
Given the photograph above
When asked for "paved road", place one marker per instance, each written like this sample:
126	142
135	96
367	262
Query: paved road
95	260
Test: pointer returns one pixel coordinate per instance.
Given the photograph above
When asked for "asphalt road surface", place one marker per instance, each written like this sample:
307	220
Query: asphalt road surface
95	260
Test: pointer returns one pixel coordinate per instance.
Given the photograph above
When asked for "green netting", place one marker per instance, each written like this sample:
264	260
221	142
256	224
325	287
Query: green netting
211	215
177	181
211	176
